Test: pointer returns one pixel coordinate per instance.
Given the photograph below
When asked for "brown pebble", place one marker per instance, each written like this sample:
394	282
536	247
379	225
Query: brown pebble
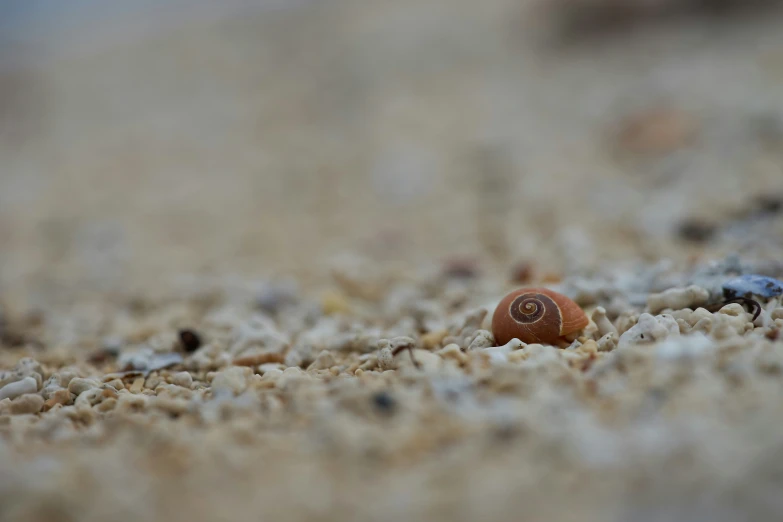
190	340
433	340
62	397
260	358
27	403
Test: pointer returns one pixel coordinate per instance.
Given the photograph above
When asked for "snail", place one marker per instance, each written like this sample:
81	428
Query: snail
536	315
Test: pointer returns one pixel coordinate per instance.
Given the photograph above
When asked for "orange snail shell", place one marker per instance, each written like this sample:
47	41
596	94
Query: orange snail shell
536	315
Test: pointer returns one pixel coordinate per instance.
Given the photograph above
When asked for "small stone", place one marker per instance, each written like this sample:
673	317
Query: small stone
190	340
293	359
603	323
106	405
232	380
183	379
453	351
385	357
89	398
650	329
482	339
678	298
132	402
608	342
323	361
117	384
258	359
272	375
171	406
137	385
21	387
27	403
432	340
153	381
78	385
63	397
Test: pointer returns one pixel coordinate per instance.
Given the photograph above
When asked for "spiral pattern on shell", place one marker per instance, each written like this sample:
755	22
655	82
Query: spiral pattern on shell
530	308
535	315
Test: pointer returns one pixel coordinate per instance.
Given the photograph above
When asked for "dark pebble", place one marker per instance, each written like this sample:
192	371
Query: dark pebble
190	340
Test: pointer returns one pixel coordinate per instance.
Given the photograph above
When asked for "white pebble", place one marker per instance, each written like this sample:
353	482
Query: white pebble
78	385
650	329
183	379
324	361
15	389
482	339
603	323
608	342
678	298
231	381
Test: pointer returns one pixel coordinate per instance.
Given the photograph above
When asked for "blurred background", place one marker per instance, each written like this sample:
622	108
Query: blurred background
142	142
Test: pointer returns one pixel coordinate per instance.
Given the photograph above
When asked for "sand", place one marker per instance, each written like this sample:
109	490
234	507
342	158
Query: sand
304	187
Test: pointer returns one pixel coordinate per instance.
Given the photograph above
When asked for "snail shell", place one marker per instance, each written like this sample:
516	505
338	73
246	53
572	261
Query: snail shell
536	315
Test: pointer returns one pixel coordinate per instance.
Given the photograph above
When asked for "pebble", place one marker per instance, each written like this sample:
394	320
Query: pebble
499	354
324	361
138	385
21	387
608	342
79	385
27	403
602	322
232	381
26	367
649	329
258	359
482	339
678	298
453	351
183	379
432	340
62	397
